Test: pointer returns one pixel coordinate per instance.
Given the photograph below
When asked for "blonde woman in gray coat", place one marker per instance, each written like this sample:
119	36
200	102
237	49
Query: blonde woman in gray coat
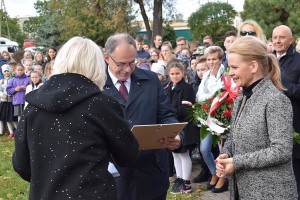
258	153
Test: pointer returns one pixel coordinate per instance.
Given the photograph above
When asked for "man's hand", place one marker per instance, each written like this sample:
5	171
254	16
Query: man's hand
171	143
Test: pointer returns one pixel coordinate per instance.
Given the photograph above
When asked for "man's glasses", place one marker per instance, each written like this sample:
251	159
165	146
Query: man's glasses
123	65
244	33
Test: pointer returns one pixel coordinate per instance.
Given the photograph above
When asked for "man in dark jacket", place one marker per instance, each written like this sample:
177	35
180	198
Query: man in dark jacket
289	61
141	95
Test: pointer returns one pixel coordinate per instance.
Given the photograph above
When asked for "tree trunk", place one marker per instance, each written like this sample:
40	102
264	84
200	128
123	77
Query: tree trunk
145	18
157	19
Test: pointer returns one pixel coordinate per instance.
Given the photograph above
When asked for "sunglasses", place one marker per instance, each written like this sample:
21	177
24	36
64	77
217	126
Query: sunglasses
244	33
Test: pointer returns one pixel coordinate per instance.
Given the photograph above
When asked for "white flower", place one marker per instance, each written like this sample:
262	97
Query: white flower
202	121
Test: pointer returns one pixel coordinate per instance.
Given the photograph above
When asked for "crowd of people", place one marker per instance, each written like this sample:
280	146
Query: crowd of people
20	75
91	97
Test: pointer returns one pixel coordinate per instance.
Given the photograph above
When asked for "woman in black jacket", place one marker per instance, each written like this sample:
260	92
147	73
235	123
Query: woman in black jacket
70	130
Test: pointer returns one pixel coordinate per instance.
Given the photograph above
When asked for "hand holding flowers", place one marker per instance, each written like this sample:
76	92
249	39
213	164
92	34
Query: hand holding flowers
214	114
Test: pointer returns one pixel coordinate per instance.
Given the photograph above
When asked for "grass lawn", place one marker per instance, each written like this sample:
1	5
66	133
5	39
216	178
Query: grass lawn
13	187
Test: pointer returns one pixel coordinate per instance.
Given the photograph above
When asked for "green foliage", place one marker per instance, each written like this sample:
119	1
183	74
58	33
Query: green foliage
169	35
15	31
296	137
203	132
271	13
30	26
212	19
59	20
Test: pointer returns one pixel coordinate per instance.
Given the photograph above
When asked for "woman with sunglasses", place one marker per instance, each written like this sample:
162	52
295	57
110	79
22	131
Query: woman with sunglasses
250	27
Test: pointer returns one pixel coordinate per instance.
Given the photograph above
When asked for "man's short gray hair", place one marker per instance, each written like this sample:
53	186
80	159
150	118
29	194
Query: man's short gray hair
114	40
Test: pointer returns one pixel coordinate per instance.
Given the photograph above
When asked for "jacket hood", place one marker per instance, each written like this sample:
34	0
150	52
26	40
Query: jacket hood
61	92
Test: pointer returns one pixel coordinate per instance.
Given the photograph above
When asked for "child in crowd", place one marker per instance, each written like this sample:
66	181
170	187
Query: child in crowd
140	52
17	87
38	68
179	91
28	63
47	71
12	63
201	68
6	107
142	63
146	47
159	69
26	55
6	55
39	58
35	82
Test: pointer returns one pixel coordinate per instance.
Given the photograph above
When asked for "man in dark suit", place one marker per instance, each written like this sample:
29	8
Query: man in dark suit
141	95
289	61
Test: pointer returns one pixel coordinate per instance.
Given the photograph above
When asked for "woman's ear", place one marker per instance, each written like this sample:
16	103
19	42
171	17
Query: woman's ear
254	66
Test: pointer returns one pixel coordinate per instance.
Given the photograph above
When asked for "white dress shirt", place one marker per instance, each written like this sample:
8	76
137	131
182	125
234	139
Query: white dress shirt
116	83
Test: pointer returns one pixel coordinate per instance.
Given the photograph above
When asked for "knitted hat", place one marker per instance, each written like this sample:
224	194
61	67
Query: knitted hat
200	50
185	60
5	67
158	68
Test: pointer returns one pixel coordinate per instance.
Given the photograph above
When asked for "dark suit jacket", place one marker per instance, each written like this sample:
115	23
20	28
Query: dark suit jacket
290	76
147	104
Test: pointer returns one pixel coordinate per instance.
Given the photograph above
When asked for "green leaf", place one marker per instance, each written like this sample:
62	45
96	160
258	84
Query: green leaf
215	139
296	137
203	132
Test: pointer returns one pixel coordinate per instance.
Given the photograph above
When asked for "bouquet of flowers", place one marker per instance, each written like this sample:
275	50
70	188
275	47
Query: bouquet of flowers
214	114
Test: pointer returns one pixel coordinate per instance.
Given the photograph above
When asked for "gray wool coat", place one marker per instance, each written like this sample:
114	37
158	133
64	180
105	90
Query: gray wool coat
260	143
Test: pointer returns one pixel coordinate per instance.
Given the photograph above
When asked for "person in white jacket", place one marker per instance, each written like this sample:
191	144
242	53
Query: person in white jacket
35	83
6	106
210	84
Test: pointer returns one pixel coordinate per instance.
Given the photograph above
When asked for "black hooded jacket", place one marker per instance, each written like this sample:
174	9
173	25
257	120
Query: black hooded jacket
65	138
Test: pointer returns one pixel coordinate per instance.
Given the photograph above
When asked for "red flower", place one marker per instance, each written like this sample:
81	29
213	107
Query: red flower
211	99
229	100
227	113
205	107
213	113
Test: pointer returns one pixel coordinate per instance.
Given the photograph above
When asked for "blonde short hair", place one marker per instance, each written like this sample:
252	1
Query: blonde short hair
82	56
214	49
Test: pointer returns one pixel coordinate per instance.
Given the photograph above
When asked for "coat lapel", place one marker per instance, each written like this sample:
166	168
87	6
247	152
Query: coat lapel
135	89
111	90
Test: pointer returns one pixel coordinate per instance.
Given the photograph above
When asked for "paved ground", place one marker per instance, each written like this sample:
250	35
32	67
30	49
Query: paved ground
206	195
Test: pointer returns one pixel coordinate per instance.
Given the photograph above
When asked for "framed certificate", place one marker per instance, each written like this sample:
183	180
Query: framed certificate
148	136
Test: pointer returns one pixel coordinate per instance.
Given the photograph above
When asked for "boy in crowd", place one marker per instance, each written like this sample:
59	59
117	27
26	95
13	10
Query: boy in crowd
141	53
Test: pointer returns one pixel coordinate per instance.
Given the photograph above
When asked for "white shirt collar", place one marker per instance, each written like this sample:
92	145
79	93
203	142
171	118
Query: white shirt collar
277	55
115	80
